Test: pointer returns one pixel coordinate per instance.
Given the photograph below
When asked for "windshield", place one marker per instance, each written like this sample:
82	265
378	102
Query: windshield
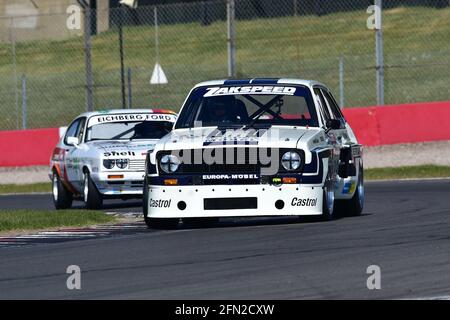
129	130
249	106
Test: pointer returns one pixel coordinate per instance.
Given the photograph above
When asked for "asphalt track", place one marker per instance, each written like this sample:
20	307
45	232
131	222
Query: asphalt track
405	230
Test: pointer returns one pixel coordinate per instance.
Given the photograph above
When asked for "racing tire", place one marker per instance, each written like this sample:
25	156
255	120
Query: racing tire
145	197
327	201
201	222
62	198
91	197
355	205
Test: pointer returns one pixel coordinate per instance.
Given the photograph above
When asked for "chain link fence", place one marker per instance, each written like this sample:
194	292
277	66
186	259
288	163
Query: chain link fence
45	74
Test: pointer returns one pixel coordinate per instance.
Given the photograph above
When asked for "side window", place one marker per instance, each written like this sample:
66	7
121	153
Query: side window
336	112
72	131
323	105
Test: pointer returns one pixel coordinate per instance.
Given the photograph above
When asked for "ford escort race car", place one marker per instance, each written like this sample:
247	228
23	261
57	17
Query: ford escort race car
102	155
259	147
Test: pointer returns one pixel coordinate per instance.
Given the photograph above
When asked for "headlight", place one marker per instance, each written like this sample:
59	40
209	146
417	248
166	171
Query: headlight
291	160
169	163
122	163
109	163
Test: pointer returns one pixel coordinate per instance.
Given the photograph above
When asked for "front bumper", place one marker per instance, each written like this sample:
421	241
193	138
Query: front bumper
201	200
131	184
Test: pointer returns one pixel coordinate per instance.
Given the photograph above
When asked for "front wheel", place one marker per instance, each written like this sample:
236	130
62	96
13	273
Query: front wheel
62	198
91	197
328	201
145	197
355	205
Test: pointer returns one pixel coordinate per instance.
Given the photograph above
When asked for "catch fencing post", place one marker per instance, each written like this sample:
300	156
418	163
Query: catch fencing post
379	54
231	39
24	102
129	88
88	59
12	35
155	19
341	82
122	68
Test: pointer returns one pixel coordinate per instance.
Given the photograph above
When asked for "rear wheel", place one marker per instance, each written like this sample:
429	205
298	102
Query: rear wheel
91	197
62	198
356	204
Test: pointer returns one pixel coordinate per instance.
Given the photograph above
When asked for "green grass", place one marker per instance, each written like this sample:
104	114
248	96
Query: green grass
416	43
425	171
16	220
25	188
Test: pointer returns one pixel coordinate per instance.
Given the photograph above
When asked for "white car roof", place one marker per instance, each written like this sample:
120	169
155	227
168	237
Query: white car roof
261	81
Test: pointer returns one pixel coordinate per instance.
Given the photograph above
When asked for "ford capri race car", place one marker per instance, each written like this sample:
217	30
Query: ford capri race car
102	155
259	147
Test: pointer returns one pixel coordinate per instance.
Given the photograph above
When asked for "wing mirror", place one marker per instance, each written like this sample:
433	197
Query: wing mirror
333	124
73	141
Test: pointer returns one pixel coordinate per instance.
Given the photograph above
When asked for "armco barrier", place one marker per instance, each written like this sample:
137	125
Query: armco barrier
27	147
364	124
406	123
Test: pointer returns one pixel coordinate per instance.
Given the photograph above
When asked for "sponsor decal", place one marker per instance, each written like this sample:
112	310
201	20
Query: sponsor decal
276	181
125	145
130	117
153	203
356	151
58	154
229	176
125	149
227	137
349	187
119	153
306	202
222	91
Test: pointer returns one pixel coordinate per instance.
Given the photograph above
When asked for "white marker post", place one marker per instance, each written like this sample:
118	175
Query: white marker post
158	75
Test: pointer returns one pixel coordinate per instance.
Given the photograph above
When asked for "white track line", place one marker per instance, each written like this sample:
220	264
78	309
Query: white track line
443	297
406	179
24	194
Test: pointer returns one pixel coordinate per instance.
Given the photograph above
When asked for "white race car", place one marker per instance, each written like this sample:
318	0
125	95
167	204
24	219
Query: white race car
259	147
102	155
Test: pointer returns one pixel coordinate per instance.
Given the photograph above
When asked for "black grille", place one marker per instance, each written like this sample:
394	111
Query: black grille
230	203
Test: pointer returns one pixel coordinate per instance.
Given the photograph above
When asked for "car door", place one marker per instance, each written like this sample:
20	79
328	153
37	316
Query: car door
332	134
335	113
74	153
325	112
349	148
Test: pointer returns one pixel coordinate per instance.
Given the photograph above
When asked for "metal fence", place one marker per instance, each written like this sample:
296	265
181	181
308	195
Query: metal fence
50	73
